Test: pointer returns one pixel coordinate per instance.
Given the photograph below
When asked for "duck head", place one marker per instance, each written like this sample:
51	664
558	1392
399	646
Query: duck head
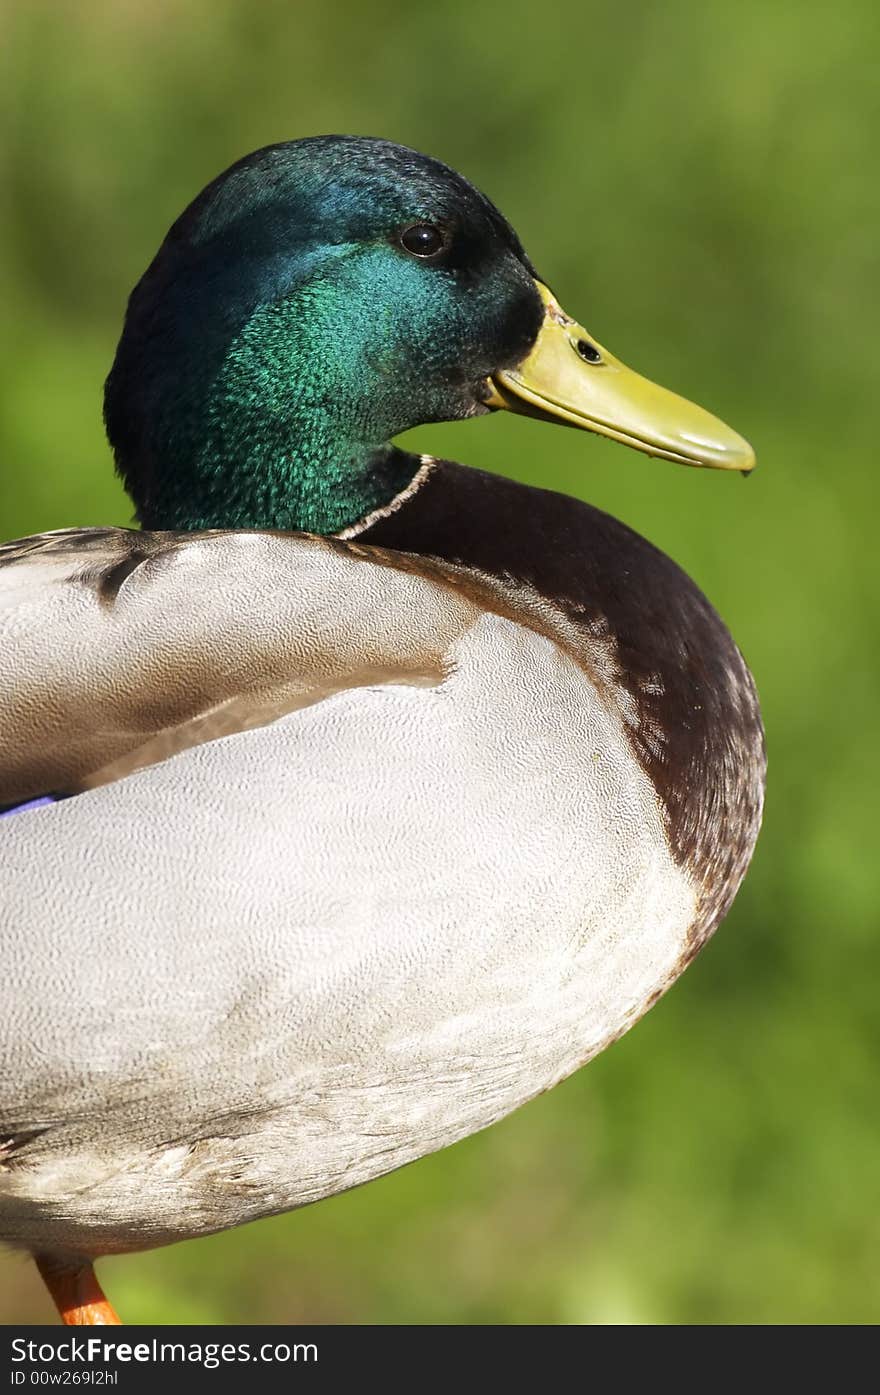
322	296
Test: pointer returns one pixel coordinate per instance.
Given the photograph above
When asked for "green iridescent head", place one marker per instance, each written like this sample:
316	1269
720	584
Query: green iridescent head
315	300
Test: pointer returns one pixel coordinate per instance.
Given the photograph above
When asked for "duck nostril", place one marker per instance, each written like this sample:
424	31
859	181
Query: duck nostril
588	351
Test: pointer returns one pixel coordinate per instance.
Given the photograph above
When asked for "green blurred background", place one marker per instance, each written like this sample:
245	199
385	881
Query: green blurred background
698	182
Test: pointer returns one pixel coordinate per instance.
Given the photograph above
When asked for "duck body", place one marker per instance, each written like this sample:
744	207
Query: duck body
367	838
352	935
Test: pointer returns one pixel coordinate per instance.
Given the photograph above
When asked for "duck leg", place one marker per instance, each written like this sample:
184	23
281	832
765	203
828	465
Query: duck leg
76	1293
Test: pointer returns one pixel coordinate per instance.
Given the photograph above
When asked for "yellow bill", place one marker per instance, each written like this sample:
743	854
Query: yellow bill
568	377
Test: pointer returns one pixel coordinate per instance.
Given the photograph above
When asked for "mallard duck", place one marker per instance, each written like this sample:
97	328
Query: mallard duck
359	796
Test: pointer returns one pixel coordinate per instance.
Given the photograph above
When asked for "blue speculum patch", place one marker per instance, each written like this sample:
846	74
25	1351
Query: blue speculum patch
28	804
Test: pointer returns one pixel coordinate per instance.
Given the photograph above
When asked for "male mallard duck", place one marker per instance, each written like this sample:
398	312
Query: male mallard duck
392	791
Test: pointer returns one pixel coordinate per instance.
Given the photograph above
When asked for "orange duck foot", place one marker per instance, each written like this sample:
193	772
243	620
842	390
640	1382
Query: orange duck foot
76	1293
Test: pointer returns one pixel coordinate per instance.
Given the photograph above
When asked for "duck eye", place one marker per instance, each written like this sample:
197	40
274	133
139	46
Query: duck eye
422	240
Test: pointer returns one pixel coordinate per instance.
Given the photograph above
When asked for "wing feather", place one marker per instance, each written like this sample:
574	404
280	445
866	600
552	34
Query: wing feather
119	648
